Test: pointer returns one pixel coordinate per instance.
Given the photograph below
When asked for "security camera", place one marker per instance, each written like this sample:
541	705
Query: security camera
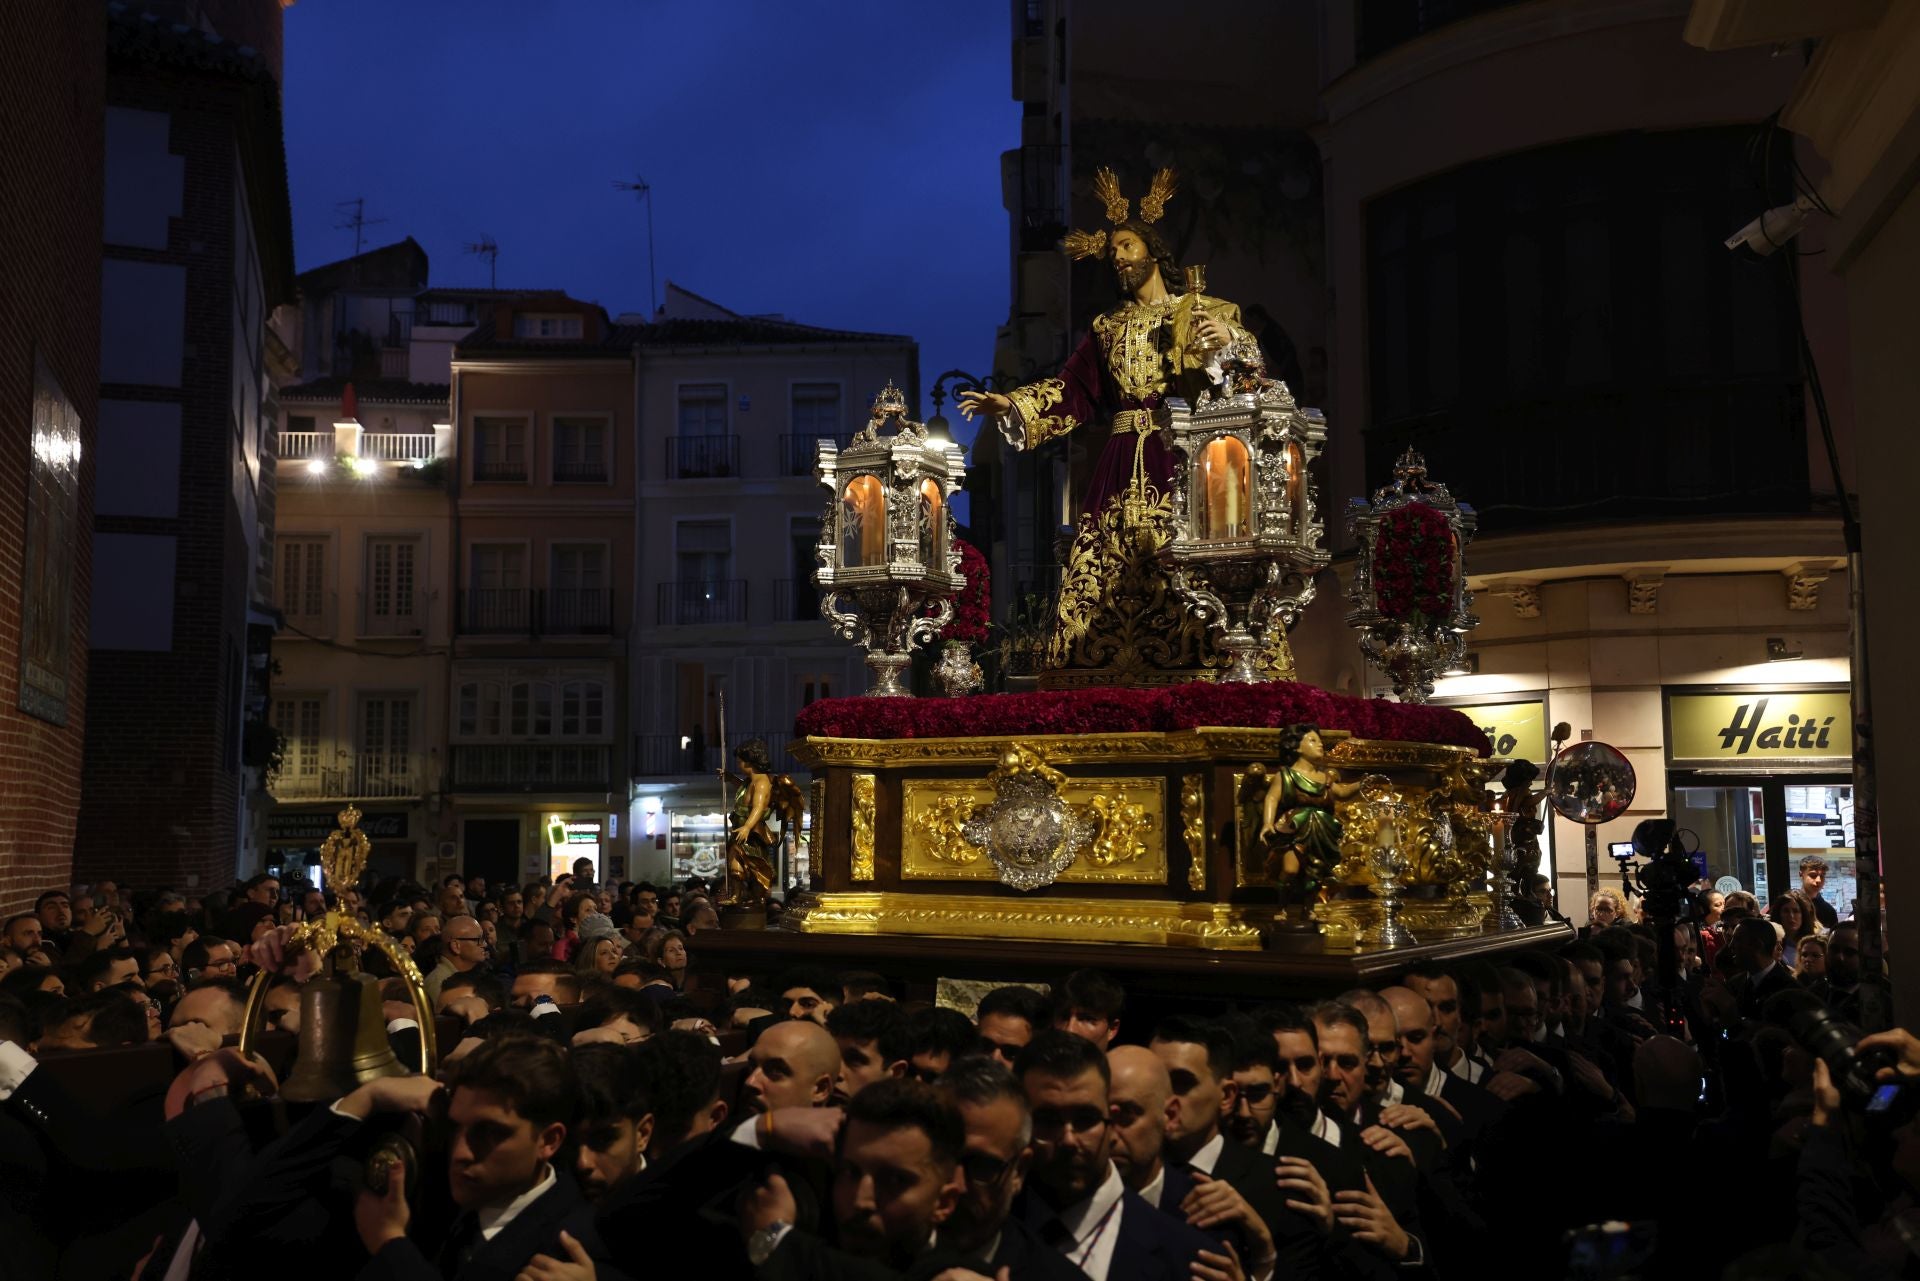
1773	228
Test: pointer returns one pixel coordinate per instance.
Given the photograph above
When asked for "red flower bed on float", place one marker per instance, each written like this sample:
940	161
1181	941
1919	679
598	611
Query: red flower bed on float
972	609
1270	705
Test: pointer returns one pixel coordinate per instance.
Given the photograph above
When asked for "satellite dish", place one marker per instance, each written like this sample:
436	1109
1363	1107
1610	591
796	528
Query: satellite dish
1590	783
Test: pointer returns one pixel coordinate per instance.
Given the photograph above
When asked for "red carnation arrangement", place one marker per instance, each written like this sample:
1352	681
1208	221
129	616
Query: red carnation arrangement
1267	705
973	609
1413	565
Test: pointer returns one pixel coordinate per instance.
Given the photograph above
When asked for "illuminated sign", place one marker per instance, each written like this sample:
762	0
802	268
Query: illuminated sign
1761	728
562	831
1517	730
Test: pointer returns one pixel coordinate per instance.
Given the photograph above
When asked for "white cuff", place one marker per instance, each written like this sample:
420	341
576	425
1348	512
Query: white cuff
16	1065
401	1025
1012	430
747	1133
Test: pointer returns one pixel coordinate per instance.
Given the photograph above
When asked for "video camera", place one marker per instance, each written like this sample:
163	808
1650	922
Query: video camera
1664	882
1813	1026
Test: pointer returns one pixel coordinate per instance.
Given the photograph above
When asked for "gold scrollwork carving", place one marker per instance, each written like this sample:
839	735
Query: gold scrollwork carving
1193	825
1124	828
936	830
1127	813
863	820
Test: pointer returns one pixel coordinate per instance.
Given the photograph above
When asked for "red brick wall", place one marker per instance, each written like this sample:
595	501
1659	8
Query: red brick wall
51	95
161	803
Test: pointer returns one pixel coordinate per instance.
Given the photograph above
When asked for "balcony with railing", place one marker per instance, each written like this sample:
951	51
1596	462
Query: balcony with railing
579	611
398	446
666	755
503	470
699	603
580	471
393	613
532	767
298	446
498	611
702	457
366	776
798	450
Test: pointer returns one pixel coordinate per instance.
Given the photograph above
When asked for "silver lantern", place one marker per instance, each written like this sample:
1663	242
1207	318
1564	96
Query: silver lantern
1246	528
1409	593
888	565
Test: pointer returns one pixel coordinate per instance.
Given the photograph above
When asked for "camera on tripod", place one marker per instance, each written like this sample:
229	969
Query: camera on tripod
1665	881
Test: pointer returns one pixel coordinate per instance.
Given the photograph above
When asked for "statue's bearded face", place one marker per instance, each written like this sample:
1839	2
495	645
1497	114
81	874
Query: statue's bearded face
1132	264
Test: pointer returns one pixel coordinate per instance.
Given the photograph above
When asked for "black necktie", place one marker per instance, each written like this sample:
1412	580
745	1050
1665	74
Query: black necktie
462	1240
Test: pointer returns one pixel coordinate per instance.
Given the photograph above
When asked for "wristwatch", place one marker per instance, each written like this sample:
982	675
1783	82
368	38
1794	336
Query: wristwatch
762	1244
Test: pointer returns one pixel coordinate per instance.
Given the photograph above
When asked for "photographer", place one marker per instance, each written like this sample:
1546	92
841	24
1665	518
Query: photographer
1836	1177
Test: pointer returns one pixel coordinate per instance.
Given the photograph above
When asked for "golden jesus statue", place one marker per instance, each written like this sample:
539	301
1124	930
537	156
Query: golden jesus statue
1117	619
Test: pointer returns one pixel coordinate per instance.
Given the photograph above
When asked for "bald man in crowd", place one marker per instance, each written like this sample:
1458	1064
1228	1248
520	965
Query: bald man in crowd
794	1065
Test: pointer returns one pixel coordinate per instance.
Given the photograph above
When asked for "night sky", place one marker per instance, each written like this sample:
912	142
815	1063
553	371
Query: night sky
833	161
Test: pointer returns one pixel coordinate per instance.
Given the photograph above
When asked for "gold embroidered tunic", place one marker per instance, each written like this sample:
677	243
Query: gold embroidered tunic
1116	618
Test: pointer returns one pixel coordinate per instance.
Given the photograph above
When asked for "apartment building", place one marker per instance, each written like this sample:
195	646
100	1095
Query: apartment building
362	560
732	408
544	580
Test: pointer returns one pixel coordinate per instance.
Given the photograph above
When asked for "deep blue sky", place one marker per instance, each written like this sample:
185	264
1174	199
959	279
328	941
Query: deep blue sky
836	161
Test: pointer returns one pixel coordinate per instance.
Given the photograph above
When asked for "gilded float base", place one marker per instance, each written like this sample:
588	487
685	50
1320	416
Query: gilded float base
1433	919
1155	922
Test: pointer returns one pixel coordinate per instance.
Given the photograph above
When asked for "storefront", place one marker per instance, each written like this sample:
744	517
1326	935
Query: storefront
1762	776
571	837
294	837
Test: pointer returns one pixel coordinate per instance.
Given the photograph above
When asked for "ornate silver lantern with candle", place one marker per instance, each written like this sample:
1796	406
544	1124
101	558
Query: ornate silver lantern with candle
1247	530
888	566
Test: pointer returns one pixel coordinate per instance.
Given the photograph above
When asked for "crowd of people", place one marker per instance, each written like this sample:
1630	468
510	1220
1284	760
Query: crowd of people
609	1103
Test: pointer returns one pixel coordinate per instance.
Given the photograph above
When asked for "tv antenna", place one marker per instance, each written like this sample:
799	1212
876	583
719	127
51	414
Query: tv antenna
356	221
643	191
486	248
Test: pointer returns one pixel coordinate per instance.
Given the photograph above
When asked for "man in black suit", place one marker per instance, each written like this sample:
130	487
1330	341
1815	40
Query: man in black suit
511	1103
896	1181
1756	946
1075	1200
982	1235
1475	1108
1199	1061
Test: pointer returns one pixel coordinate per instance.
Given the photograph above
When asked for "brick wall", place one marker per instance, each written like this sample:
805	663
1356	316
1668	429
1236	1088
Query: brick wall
51	74
161	803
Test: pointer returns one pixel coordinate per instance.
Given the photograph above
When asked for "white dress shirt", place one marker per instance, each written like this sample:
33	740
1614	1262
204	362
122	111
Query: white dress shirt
1095	1226
492	1220
1209	1154
1156	1187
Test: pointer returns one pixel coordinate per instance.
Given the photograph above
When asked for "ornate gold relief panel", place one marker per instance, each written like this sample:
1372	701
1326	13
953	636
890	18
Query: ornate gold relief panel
1130	847
863	818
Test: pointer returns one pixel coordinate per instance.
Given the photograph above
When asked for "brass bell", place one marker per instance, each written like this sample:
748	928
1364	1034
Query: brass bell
343	1039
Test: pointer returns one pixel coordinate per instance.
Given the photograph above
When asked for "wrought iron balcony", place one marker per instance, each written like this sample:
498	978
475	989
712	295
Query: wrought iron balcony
696	603
368	776
579	611
532	767
498	611
702	457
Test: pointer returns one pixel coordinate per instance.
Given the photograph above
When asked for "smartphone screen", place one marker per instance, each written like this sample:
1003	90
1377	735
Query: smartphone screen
1883	1098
